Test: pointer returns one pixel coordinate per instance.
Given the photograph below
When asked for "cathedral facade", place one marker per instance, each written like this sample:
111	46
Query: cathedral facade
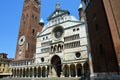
65	46
61	46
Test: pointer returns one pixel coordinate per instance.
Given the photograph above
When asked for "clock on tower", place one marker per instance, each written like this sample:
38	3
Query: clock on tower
29	26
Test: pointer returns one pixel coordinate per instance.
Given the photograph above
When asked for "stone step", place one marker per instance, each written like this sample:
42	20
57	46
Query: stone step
63	78
53	78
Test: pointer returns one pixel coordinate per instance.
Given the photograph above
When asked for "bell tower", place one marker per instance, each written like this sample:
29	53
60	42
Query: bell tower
29	26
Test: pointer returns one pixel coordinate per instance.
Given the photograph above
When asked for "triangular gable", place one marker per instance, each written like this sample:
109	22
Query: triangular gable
56	13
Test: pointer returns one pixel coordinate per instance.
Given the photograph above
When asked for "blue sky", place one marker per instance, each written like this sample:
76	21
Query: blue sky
10	15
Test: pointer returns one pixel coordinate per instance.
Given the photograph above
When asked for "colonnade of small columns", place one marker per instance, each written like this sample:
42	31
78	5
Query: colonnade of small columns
37	71
68	70
57	48
75	69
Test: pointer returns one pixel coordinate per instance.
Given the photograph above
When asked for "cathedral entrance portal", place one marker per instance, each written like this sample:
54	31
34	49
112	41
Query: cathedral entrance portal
56	66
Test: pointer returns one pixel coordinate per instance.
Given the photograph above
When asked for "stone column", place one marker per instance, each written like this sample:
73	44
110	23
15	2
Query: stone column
37	71
19	73
69	70
33	72
12	71
82	68
90	65
62	73
49	75
26	72
46	71
41	71
90	59
76	69
22	73
29	72
16	72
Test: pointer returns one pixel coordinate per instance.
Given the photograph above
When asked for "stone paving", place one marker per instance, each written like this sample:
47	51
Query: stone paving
64	78
41	78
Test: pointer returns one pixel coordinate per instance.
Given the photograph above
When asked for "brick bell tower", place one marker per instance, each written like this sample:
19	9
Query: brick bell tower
29	26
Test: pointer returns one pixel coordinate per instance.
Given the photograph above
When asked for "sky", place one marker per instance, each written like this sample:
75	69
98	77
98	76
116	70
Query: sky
10	15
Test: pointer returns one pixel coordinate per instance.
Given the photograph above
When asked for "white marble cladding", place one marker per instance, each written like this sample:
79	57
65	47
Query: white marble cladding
73	40
71	56
60	19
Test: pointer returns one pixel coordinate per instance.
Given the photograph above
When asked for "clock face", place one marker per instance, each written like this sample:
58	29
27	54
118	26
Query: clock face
58	31
21	40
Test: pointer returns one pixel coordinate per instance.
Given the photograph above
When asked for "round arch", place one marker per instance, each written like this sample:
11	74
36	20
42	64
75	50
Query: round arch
79	69
14	72
21	72
39	71
66	71
86	68
35	71
17	72
56	65
31	70
43	71
72	70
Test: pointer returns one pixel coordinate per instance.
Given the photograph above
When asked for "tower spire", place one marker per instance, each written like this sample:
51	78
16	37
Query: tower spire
81	13
57	5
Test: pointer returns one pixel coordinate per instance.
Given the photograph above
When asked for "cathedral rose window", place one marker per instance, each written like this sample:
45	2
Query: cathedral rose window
58	32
